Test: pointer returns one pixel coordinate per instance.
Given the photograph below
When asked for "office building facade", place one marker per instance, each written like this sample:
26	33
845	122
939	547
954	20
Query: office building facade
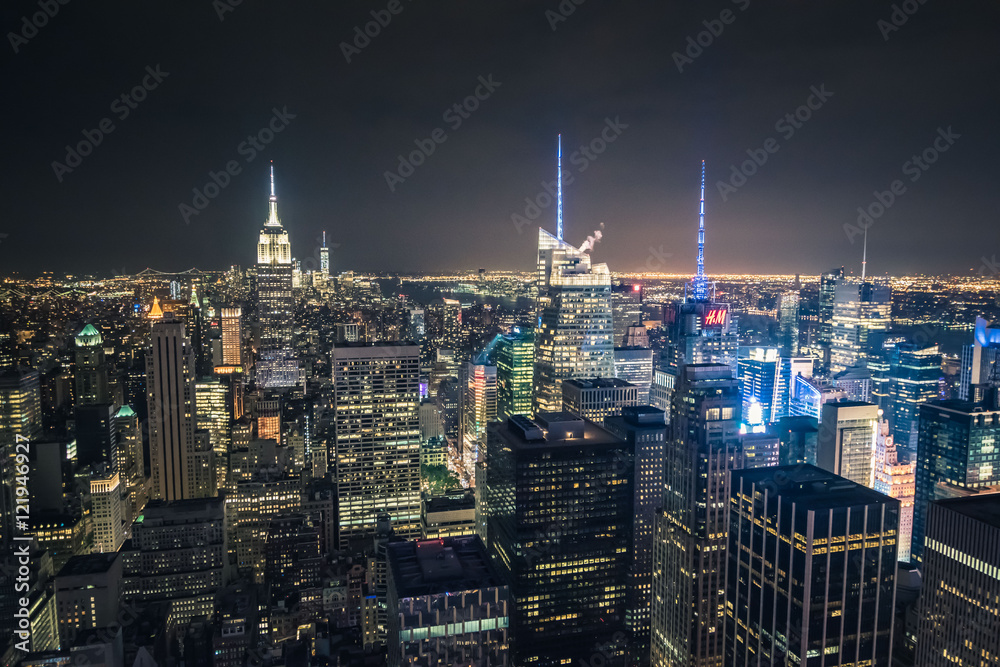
515	357
958	451
959	610
560	514
811	570
574	337
180	468
845	444
689	548
377	438
598	398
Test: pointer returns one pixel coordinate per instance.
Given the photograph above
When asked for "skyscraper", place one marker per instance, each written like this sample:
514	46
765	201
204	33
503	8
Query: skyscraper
896	480
106	512
757	369
626	306
689	548
377	438
811	570
859	308
131	464
91	372
958	452
699	284
788	321
447	604
644	431
276	366
634	364
179	470
213	413
324	259
959	614
827	296
914	378
178	554
846	442
515	355
703	330
979	359
478	408
232	336
562	551
574	334
598	398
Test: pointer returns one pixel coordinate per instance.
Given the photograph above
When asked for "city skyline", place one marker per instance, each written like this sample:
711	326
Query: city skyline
658	124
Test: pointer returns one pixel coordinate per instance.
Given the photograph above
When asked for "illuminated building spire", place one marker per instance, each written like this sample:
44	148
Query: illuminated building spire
864	257
559	217
700	285
272	217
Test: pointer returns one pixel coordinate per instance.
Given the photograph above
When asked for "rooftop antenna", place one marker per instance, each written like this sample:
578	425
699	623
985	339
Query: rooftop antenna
864	256
700	287
559	217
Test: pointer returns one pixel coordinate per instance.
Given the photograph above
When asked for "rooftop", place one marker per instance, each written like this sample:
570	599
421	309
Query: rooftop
984	508
554	428
88	564
812	487
597	383
89	336
441	566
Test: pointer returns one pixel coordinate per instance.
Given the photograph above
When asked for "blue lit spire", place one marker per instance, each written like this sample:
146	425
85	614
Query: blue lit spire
559	219
699	284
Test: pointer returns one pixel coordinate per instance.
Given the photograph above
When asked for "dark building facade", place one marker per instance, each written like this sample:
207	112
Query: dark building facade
811	570
960	605
958	453
644	430
560	515
689	547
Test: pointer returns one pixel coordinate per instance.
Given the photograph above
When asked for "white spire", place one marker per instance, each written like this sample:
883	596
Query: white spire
864	256
272	215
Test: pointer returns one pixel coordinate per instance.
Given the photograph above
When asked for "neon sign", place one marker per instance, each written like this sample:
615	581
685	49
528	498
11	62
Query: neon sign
715	317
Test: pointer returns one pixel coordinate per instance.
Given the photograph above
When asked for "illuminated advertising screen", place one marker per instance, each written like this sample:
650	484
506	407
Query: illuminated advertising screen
715	318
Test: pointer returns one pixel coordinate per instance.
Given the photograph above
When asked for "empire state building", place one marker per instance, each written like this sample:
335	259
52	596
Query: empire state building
277	366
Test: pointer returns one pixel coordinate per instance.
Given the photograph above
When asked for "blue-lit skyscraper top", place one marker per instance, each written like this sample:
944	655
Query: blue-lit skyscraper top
699	285
559	219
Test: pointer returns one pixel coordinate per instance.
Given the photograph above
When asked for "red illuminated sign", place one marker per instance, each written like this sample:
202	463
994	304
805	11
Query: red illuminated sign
715	317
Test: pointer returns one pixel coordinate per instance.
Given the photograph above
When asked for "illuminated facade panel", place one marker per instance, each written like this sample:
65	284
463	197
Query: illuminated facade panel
377	447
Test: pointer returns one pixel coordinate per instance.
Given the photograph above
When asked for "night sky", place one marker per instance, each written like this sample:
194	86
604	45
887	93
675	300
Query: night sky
605	65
